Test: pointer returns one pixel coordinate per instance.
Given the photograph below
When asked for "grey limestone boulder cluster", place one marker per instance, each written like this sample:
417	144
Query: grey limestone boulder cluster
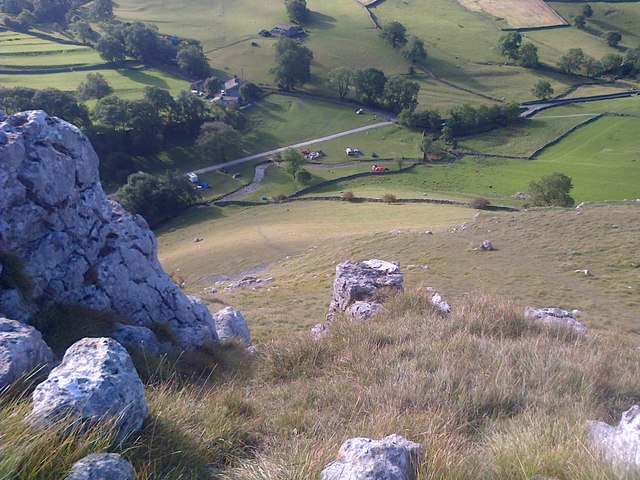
358	290
391	458
438	301
76	245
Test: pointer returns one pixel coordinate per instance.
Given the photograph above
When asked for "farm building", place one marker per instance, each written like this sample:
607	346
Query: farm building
287	31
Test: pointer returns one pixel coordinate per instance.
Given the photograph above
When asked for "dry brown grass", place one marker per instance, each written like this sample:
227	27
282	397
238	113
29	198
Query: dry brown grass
517	13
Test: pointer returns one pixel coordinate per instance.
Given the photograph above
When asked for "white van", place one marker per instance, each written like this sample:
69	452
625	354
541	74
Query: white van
193	178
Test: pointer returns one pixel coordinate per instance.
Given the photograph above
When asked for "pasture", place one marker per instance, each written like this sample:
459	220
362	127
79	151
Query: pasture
602	158
26	60
517	13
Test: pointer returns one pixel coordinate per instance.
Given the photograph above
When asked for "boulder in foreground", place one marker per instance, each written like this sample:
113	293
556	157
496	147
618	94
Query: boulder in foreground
95	381
391	458
102	466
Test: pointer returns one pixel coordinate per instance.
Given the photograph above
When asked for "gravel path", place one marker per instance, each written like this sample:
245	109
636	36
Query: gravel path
261	171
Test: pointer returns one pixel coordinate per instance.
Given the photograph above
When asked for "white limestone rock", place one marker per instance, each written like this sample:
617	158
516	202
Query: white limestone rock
96	380
554	316
391	458
77	245
102	466
364	310
230	324
22	351
619	445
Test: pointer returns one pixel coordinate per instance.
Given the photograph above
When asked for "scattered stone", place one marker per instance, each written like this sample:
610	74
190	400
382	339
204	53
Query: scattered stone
96	380
102	466
359	281
585	271
197	240
580	205
428	232
520	195
486	246
319	331
391	458
619	445
22	351
554	316
363	310
439	302
78	246
230	324
249	281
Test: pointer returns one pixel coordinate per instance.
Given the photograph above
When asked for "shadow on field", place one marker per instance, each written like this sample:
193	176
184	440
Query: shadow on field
322	21
141	77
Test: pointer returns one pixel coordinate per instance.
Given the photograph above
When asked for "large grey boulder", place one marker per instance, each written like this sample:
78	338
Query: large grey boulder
554	316
391	458
102	466
77	246
22	350
359	281
95	381
619	445
230	324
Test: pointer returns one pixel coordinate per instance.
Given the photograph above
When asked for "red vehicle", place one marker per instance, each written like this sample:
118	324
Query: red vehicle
377	168
305	152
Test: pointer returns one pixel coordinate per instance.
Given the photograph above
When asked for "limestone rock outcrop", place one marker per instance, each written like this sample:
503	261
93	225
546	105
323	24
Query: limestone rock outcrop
102	466
619	445
391	458
359	289
554	316
22	350
95	381
76	245
230	324
359	281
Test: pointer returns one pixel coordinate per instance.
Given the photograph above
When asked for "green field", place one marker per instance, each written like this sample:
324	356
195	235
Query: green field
602	158
26	60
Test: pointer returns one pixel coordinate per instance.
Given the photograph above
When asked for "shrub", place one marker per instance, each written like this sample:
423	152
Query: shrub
389	197
348	195
479	203
552	190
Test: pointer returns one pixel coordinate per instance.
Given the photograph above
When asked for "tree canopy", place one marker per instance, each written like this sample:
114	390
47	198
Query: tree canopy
509	45
542	90
95	86
219	139
395	33
552	190
293	64
369	84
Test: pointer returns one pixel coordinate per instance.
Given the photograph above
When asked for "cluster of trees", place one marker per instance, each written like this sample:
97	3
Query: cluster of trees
575	61
293	64
510	45
122	129
372	87
412	47
24	14
157	197
297	10
142	42
292	162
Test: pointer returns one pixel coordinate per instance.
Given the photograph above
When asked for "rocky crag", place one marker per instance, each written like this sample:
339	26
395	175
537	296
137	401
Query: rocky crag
75	245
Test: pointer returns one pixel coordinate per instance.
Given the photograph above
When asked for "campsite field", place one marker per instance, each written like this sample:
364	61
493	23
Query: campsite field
26	60
517	13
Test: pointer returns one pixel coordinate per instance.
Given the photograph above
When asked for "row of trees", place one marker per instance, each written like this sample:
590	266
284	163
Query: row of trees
575	61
